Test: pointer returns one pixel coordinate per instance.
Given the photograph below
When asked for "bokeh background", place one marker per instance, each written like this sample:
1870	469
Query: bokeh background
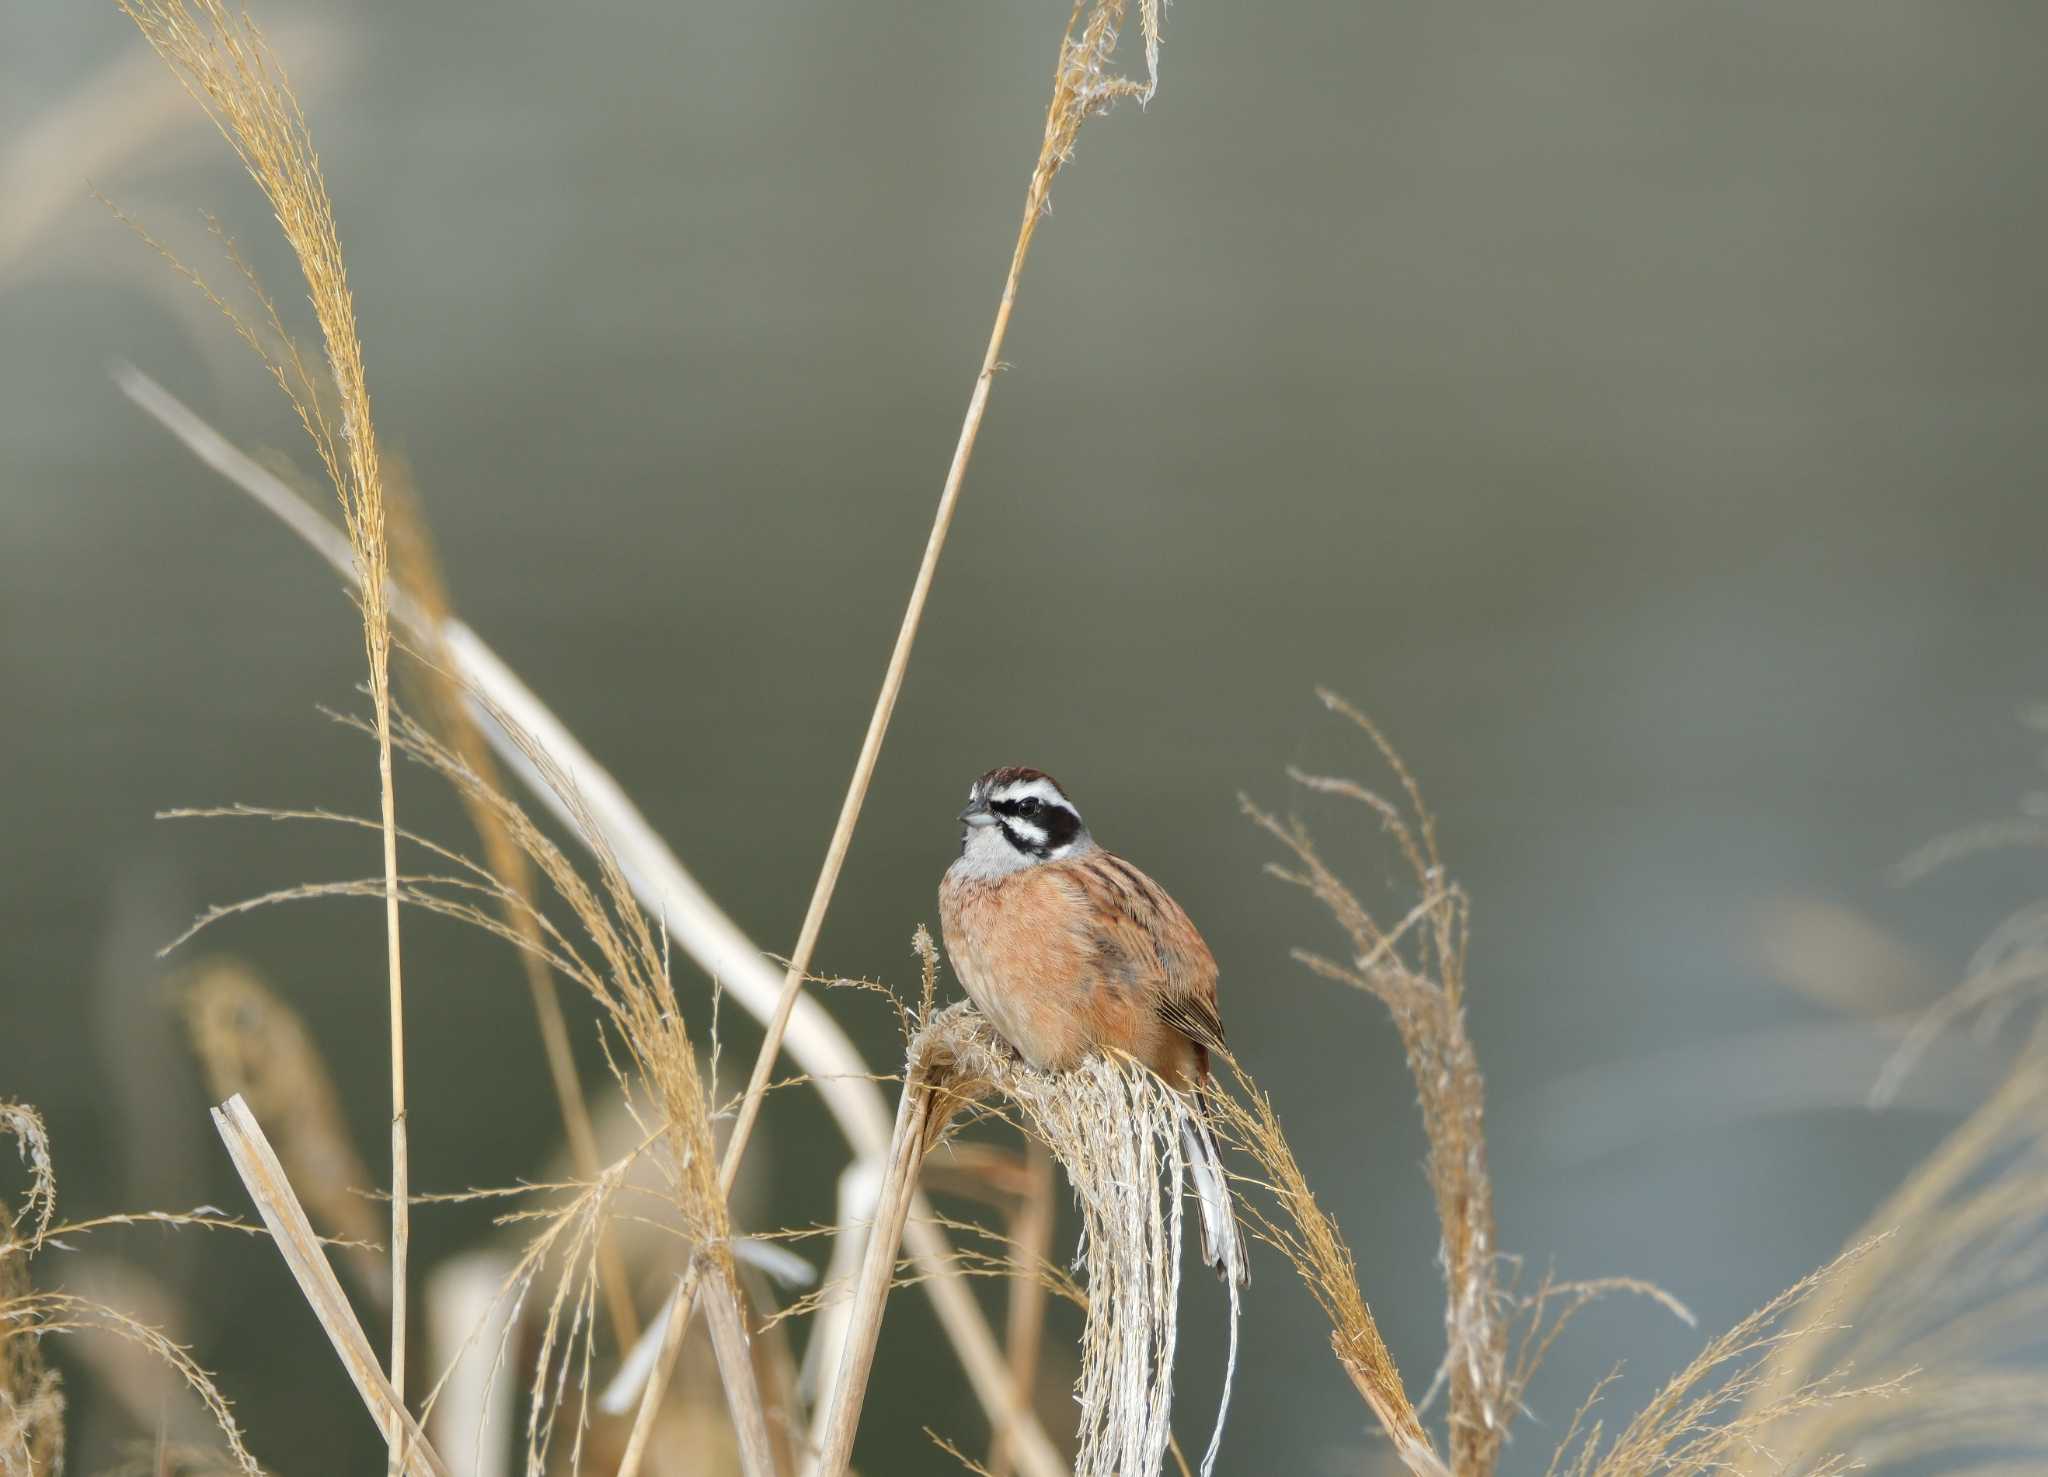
1638	408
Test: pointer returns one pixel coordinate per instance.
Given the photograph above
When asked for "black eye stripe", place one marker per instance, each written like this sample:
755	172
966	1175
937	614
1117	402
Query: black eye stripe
1041	826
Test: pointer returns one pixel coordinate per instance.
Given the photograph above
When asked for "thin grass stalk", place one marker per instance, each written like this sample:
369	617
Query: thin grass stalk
230	71
837	1071
1079	89
657	1381
401	1171
722	1315
257	1163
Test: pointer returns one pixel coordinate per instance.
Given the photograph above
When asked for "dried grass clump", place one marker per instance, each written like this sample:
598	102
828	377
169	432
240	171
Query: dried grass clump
31	1395
1416	969
1496	1335
1921	1343
1115	1128
1719	1414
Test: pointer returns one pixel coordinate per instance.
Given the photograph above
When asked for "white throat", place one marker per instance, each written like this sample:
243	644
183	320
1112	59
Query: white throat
987	855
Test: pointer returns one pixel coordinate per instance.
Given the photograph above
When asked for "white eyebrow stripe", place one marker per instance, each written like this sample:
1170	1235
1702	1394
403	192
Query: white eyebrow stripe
1037	789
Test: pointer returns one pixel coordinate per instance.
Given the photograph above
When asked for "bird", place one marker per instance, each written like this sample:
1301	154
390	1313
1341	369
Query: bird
1071	952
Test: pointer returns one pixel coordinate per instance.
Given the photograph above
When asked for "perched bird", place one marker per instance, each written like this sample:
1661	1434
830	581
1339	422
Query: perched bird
1069	950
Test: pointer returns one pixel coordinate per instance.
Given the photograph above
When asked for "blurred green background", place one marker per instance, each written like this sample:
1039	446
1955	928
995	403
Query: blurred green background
1637	408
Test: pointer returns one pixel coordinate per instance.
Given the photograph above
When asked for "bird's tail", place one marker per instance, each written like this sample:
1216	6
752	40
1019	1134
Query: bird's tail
1222	1246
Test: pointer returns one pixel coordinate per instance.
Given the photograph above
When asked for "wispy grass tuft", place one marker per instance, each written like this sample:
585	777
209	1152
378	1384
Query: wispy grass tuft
1495	1335
31	1394
1415	967
1305	1234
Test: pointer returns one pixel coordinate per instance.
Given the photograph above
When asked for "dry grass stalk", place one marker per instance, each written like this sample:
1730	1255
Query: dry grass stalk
1115	1129
835	1070
419	577
265	1179
1495	1337
1083	85
728	1325
675	1322
251	1043
1416	968
230	71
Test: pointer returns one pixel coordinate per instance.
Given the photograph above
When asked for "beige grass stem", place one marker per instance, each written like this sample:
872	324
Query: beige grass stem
1081	86
228	68
264	1177
728	1325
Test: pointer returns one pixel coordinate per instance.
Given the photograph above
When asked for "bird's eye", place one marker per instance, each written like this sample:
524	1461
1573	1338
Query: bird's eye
1030	805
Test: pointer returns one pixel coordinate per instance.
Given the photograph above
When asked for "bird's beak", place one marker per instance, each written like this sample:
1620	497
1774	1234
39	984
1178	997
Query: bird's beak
977	814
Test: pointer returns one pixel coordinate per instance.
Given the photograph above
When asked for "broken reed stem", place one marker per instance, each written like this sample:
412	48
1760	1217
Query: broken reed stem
877	1271
729	1342
1024	1329
1071	102
257	1163
838	1072
657	1379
